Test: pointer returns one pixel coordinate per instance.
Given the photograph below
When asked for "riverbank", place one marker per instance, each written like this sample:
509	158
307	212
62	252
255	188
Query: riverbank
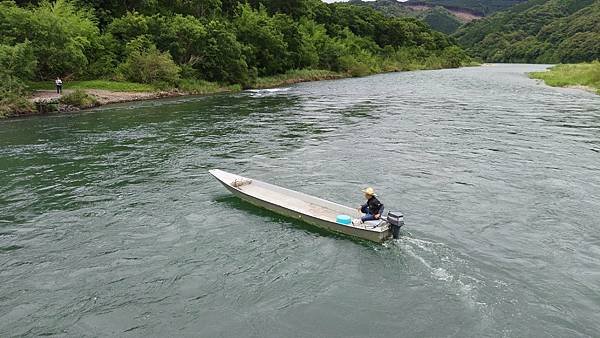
585	76
79	95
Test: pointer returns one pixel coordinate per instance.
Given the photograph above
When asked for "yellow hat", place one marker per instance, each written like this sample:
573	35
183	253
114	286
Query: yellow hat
369	191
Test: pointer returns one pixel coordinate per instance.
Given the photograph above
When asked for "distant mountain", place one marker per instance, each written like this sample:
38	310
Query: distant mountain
445	20
480	7
442	20
542	31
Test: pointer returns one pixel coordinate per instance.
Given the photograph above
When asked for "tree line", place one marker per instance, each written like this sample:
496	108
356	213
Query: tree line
225	41
538	31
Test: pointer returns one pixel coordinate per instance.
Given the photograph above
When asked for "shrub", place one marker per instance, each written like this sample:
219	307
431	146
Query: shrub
194	86
13	105
79	98
354	67
454	57
60	33
16	65
146	64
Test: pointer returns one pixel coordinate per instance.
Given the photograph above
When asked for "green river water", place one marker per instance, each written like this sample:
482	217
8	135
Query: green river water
110	224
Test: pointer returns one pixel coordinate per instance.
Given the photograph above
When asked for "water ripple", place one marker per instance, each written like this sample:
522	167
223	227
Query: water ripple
110	224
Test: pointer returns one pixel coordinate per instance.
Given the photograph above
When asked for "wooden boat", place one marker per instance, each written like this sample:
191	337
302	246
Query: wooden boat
313	210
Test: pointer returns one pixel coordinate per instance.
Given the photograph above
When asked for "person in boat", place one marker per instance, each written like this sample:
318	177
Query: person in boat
373	208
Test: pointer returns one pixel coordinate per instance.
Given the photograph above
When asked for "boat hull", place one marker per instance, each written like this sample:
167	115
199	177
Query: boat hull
375	236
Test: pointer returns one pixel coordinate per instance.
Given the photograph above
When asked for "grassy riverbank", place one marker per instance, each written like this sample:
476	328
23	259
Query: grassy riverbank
297	76
156	49
86	94
96	84
585	75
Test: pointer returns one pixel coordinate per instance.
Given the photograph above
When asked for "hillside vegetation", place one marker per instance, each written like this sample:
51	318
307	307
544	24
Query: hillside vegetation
442	15
539	31
441	20
483	7
173	43
437	17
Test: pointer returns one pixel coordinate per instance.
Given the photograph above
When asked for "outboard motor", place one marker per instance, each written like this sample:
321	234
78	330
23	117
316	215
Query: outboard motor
396	221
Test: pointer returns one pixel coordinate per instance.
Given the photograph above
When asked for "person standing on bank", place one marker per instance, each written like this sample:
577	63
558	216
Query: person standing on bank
58	83
373	208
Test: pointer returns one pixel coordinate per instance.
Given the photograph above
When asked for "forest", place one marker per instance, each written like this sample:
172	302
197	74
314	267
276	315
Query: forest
538	31
438	17
171	43
484	7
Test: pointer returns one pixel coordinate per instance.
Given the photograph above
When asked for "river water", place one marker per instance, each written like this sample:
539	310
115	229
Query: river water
110	224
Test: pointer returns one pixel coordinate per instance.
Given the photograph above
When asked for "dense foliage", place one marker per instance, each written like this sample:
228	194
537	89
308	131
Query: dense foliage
180	41
437	17
542	31
483	7
17	63
442	20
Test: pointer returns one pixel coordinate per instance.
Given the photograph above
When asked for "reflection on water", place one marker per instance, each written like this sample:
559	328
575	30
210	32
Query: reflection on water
111	225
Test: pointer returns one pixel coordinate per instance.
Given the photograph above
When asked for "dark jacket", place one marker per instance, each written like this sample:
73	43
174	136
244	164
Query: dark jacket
374	205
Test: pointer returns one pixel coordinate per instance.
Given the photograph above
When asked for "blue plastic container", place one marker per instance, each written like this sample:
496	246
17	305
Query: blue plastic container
343	219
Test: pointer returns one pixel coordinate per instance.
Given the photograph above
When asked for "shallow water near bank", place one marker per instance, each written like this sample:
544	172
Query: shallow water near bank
111	225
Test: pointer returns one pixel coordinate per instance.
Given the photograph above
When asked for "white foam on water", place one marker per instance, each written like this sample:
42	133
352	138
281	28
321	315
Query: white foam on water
442	264
261	92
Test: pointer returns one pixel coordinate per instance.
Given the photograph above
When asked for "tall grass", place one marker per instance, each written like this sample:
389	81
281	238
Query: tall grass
200	87
115	86
295	76
582	74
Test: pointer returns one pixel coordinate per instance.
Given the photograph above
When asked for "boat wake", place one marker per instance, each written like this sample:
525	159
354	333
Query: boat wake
443	264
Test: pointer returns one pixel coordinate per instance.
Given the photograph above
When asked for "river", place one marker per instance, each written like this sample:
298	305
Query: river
110	224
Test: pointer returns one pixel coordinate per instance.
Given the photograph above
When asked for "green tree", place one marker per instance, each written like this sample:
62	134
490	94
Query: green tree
222	58
17	64
183	36
580	47
264	45
129	26
13	23
362	21
61	34
146	64
223	40
197	8
536	31
454	57
319	49
104	55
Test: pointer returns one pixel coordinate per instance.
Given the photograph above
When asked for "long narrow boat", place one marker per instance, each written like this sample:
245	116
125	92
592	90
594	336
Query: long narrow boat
313	210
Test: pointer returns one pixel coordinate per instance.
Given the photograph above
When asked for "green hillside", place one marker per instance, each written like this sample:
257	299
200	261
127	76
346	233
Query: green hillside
438	18
441	20
484	7
542	31
387	7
